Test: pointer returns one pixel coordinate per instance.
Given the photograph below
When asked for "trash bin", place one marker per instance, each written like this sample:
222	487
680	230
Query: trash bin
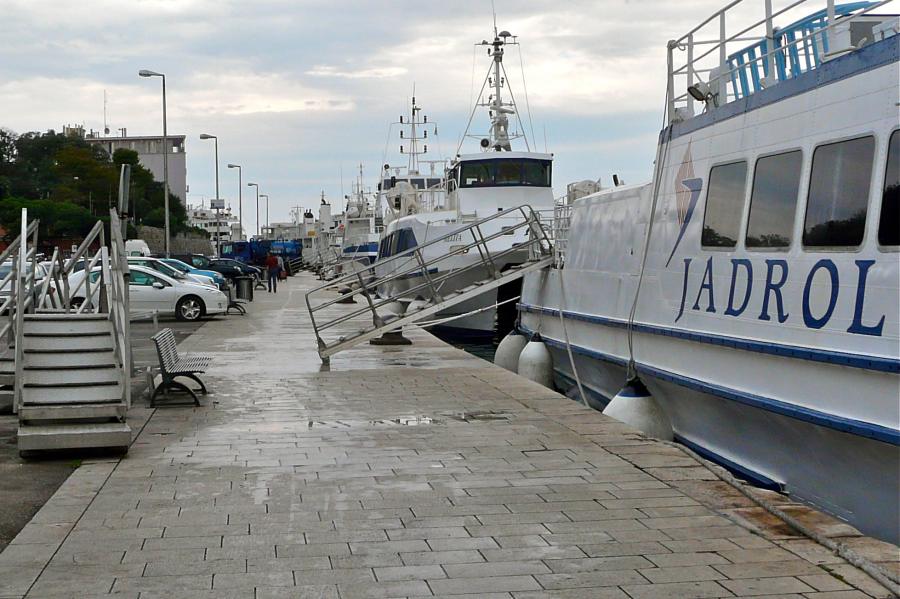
244	288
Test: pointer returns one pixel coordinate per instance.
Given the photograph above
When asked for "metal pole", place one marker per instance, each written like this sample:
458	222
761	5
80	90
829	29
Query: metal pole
165	142
240	208
257	210
218	203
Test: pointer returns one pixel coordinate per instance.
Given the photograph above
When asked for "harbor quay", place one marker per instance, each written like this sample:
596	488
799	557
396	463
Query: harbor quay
408	471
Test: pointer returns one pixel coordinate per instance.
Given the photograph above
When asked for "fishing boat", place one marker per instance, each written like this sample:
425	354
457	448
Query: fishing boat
360	230
473	187
752	285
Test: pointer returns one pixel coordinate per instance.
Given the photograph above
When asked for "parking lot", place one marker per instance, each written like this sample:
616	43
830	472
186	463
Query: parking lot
28	484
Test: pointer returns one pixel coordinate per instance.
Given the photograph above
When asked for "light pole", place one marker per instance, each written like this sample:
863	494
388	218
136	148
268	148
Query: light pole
256	185
165	141
218	198
263	195
240	209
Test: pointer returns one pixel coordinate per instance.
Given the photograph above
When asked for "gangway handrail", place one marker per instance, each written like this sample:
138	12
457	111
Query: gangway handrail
412	261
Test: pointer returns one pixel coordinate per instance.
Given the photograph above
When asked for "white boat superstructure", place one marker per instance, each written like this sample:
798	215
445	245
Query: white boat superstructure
753	284
361	228
475	186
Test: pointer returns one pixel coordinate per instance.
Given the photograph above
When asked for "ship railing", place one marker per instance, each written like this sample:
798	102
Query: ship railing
562	219
422	277
725	64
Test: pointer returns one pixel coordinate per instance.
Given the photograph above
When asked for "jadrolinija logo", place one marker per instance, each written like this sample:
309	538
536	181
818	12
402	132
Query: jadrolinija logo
687	192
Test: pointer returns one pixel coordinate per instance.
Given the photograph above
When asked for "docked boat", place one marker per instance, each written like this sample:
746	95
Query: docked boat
474	186
752	285
360	230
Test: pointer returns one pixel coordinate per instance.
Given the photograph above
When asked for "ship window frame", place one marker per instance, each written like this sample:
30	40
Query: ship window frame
749	199
868	196
739	211
887	158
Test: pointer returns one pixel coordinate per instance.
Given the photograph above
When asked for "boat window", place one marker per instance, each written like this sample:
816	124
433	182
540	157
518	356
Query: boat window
839	193
405	240
477	174
889	224
724	200
536	172
773	201
508	172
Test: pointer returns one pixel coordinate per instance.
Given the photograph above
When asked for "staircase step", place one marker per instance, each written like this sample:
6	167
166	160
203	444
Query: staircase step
74	411
44	395
67	326
6	400
65	342
73	436
64	358
69	375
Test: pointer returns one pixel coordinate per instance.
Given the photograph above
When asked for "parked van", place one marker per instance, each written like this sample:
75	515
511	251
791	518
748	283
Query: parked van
137	247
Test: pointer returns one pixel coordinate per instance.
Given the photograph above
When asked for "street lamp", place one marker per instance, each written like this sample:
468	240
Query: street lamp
165	142
263	195
240	208
218	199
256	185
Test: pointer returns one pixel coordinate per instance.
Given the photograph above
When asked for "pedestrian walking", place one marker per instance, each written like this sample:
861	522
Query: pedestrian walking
272	269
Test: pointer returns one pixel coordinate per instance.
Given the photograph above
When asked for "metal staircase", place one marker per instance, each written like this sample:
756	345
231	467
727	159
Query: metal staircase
485	273
71	360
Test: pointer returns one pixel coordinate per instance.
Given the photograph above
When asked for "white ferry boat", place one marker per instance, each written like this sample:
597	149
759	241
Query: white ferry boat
475	186
754	284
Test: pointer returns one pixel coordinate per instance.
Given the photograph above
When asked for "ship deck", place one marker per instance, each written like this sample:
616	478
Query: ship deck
415	471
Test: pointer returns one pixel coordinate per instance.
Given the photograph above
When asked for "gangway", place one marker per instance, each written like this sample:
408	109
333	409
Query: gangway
534	253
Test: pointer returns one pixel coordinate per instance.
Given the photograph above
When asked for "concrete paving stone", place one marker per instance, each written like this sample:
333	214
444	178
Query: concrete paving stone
205	530
461	543
478	586
857	578
447	532
322	576
793	567
31	554
587	538
839	595
630	562
162	584
767	586
706	532
825	582
183	542
258	552
685	522
554	506
677	590
318	591
16	580
600	513
668	560
231	581
257	564
595	526
409	572
505	530
384	590
595	593
614	548
486	569
600	578
178	568
517	541
546	552
459	510
368	547
522	518
450	521
681	574
459	556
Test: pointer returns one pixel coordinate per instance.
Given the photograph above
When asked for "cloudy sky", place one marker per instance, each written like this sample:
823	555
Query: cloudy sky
298	90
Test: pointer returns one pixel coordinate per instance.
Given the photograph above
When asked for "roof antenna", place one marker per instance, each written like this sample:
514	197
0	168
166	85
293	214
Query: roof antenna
105	122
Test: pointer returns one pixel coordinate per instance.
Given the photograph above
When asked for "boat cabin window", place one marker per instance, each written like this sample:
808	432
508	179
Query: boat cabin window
724	205
889	224
773	201
505	172
839	193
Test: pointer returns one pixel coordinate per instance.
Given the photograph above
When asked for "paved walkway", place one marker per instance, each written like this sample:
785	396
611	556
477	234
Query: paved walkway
402	472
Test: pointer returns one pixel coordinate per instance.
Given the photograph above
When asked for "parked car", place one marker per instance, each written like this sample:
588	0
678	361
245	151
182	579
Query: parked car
171	271
247	269
39	274
150	289
217	277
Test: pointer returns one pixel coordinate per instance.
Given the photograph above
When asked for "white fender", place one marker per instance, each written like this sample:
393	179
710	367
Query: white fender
507	354
395	307
536	364
636	407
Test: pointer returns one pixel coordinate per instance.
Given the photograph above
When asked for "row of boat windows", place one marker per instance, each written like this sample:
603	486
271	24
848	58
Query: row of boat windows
396	242
502	173
417	182
836	205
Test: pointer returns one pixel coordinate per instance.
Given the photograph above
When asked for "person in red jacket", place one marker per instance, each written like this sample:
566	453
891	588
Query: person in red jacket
272	268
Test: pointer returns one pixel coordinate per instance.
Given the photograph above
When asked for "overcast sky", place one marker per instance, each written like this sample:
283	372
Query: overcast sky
296	90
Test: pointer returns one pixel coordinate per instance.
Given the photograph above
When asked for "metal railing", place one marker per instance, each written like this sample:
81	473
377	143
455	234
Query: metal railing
738	61
562	220
412	264
107	295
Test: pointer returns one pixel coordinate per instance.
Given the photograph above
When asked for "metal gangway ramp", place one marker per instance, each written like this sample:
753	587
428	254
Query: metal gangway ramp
533	253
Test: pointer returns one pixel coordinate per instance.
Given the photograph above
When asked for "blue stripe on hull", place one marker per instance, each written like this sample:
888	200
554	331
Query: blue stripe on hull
832	421
865	362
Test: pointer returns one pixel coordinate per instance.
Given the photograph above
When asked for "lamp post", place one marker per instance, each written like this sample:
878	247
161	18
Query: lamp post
165	142
263	195
240	203
256	185
218	198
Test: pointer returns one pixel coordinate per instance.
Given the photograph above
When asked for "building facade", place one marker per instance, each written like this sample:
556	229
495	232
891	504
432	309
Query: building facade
222	226
150	153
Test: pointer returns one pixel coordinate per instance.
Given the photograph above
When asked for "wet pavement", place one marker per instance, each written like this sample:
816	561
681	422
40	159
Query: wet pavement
414	471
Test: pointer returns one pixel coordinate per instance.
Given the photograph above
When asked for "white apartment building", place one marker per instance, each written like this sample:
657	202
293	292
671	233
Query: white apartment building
150	154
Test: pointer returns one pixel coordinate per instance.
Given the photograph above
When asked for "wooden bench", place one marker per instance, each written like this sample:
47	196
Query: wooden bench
172	366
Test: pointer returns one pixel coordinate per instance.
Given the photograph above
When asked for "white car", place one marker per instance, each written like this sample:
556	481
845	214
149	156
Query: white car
149	290
171	271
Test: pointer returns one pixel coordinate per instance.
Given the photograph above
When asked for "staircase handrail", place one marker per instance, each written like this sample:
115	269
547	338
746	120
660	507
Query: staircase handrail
21	283
118	294
12	253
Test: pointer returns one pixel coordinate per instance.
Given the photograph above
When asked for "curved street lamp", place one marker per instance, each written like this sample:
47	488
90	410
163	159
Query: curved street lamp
256	185
165	142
